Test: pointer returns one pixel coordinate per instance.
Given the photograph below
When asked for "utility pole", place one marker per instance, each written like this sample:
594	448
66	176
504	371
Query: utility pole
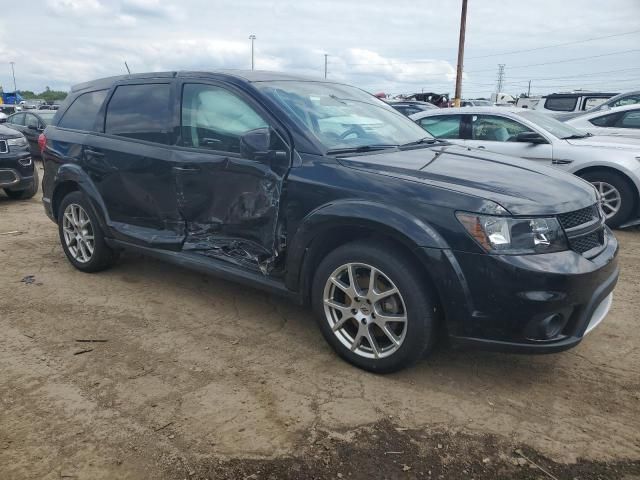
325	66
529	89
252	38
463	26
127	66
13	72
500	77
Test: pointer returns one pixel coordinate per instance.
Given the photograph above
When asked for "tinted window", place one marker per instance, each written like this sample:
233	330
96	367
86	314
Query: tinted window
604	120
442	126
495	129
17	119
32	120
592	102
561	104
631	120
140	111
215	118
630	100
81	115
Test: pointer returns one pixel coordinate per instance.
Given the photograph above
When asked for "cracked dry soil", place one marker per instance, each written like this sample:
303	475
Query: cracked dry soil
202	378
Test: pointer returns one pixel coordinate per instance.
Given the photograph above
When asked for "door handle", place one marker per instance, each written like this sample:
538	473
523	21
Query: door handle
94	153
482	147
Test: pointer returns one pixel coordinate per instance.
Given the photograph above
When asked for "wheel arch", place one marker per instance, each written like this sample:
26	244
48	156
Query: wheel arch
618	171
71	178
336	224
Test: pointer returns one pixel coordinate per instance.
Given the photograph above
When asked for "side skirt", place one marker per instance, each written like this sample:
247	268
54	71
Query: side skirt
214	267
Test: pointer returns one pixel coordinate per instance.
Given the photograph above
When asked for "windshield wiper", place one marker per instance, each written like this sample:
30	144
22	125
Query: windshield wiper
424	141
573	137
360	149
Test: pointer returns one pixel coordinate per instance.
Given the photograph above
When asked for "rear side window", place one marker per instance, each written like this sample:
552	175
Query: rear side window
561	104
630	120
592	102
442	126
17	119
141	112
604	120
81	115
630	100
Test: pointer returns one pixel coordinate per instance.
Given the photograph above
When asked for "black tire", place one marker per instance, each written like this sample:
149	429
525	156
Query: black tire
103	256
421	305
620	183
27	193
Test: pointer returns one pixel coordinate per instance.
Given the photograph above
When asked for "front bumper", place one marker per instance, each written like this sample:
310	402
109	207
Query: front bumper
499	302
16	171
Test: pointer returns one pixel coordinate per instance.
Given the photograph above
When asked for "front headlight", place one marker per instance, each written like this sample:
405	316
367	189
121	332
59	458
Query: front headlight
514	236
17	142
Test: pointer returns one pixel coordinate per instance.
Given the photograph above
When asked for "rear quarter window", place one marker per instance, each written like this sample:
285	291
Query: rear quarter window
561	104
81	114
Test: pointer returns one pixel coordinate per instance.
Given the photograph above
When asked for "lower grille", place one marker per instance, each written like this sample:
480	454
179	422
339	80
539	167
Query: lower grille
7	177
3	146
587	242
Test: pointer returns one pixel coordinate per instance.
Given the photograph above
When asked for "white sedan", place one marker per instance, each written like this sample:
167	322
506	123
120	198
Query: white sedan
623	121
611	164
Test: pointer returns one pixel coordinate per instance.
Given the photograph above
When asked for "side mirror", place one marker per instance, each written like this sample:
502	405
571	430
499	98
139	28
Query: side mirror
530	137
255	145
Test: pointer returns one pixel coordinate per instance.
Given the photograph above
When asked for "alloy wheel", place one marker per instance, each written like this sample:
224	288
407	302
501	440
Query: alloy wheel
78	233
365	310
610	198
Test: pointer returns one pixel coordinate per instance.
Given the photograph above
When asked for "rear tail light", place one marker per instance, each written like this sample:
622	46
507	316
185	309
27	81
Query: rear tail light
42	142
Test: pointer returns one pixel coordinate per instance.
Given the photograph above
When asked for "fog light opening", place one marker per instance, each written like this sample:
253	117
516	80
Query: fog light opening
25	162
552	325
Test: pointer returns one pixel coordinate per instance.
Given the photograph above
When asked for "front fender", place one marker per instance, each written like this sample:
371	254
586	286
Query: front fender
385	219
72	173
630	168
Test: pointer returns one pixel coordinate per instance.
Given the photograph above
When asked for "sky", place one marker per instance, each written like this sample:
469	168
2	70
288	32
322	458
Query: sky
378	45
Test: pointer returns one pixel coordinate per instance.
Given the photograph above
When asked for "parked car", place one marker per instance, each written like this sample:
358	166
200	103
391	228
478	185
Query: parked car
609	163
409	107
621	100
623	121
388	233
576	102
3	117
18	175
476	103
31	124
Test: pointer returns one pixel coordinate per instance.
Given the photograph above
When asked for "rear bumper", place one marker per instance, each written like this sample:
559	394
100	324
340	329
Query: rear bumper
502	302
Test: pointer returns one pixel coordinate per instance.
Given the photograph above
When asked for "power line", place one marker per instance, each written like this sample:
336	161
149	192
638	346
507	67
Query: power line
553	46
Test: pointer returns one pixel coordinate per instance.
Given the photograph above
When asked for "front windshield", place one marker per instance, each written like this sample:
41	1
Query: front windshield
551	125
342	117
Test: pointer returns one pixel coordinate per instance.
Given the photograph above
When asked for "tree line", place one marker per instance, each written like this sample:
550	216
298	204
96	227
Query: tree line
48	95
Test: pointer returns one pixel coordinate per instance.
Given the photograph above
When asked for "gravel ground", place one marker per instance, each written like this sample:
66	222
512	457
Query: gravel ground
195	377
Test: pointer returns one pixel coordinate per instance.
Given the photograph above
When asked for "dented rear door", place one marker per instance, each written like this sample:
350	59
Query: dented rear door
230	202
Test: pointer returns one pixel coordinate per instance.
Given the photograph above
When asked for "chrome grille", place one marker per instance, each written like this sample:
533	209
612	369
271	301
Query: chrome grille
3	146
578	217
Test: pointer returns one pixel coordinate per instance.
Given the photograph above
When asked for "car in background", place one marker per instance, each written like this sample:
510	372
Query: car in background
409	107
621	100
31	124
623	121
325	194
18	175
476	103
3	117
579	101
609	163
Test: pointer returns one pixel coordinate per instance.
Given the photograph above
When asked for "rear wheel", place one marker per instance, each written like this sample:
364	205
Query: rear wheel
616	193
29	192
81	237
374	307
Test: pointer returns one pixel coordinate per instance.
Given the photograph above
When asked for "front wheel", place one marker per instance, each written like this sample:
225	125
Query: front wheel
617	196
374	306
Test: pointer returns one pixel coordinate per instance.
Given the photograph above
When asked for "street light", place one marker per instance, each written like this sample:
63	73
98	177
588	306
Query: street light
252	38
13	72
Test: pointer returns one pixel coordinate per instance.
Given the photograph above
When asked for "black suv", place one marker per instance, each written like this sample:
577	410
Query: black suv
18	174
326	194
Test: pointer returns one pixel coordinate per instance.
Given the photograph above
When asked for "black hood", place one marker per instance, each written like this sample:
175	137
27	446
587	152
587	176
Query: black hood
6	132
520	186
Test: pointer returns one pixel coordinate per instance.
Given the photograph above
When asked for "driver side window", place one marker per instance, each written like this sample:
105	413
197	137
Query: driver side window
495	129
214	118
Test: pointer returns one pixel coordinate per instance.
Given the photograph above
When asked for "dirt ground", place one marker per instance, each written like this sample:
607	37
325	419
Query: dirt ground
195	377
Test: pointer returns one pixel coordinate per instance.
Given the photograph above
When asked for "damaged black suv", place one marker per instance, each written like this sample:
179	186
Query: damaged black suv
323	193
